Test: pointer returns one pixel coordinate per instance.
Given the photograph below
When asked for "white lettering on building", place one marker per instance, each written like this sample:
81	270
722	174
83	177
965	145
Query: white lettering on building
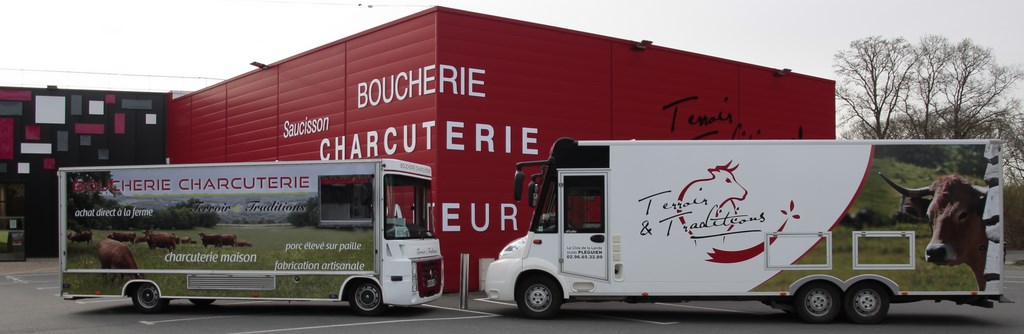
382	143
426	80
305	127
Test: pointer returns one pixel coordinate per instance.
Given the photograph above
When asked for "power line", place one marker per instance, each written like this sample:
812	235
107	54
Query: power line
109	73
364	5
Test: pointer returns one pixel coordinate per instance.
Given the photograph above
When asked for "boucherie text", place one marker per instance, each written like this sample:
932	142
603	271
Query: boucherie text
192	184
425	80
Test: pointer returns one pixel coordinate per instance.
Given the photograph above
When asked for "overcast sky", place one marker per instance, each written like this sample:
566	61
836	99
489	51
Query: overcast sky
185	45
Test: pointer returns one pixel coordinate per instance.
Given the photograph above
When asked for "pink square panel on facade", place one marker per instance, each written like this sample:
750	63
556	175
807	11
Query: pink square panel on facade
15	95
110	99
89	129
6	138
32	132
119	123
49	163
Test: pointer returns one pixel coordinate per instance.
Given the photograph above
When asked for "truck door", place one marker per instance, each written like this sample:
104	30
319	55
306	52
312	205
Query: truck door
582	220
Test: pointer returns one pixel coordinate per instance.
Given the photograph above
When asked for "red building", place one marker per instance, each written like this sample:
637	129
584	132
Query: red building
472	94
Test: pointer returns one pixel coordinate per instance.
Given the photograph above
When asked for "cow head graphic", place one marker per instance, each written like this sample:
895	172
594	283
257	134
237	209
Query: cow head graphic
711	209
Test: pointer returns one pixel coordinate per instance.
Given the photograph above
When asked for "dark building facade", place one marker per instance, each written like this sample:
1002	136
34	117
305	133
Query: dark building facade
43	129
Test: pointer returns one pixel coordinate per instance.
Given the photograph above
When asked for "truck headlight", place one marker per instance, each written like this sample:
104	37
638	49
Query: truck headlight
513	248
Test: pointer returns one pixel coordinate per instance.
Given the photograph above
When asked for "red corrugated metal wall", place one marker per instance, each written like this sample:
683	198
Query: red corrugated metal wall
209	125
311	87
471	95
251	117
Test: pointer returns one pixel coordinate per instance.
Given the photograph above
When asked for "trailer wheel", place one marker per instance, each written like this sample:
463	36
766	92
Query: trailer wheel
366	299
817	302
146	298
539	298
866	303
201	302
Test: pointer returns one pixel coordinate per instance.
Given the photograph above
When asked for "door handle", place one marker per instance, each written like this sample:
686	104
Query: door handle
598	238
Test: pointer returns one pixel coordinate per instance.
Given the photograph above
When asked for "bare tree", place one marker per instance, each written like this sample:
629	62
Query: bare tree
874	83
977	93
889	89
932	57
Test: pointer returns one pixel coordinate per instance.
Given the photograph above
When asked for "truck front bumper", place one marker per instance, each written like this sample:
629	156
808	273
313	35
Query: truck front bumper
500	283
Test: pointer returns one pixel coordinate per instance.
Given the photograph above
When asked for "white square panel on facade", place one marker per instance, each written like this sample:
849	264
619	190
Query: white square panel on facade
150	119
95	107
23	168
50	109
36	148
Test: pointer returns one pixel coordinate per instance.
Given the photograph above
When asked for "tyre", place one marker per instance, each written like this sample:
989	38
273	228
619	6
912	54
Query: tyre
201	302
539	297
366	299
817	303
866	303
146	298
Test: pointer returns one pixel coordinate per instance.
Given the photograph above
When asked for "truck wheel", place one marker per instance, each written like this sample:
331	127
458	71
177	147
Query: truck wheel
539	298
201	302
366	299
817	302
146	299
866	303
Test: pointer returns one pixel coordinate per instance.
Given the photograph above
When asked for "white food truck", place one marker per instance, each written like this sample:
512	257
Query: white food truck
356	231
815	228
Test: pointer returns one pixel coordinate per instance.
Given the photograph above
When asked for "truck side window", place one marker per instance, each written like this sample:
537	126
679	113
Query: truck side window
346	201
584	204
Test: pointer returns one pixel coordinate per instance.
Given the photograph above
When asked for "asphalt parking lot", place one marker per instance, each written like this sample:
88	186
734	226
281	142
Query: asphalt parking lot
30	305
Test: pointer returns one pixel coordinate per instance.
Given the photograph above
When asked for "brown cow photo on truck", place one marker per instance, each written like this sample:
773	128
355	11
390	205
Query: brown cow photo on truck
955	213
161	240
115	255
83	236
218	240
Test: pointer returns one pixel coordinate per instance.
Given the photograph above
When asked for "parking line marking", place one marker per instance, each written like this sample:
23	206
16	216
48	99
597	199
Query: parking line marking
29	275
48	288
1018	282
365	324
461	310
150	323
627	319
488	300
708	308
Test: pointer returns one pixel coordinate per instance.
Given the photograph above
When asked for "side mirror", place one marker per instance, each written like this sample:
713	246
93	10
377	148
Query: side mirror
517	187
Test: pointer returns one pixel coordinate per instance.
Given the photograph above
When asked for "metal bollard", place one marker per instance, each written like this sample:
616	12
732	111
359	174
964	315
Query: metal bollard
464	281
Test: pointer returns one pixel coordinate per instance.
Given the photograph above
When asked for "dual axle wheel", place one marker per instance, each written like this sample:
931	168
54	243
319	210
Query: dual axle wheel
819	302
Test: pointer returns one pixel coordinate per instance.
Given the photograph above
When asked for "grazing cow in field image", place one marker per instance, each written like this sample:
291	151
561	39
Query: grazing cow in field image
115	255
186	241
218	240
955	213
161	240
243	243
122	236
141	239
228	239
84	236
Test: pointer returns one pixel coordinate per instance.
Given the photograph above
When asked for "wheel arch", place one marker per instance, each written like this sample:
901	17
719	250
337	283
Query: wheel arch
894	289
352	282
129	287
838	283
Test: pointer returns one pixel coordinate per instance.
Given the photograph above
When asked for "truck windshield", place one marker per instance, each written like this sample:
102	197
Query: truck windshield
406	214
548	207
